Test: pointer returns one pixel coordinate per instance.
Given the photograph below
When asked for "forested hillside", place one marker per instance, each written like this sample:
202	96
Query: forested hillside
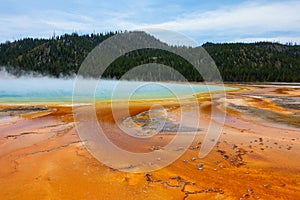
262	61
63	55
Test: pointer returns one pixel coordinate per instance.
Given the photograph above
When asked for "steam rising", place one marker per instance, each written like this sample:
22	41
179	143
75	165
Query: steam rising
35	87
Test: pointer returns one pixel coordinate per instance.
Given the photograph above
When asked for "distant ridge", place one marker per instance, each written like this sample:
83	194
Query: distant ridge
242	62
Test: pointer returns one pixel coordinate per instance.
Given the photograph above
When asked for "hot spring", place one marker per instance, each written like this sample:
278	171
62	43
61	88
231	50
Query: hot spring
45	89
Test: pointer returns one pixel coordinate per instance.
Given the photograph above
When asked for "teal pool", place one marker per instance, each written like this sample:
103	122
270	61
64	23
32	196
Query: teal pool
45	89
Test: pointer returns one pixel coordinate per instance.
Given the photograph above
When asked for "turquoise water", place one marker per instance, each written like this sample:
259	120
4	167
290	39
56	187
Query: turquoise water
45	89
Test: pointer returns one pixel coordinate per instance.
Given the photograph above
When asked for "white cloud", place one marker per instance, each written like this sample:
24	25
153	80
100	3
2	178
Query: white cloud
43	24
265	16
246	19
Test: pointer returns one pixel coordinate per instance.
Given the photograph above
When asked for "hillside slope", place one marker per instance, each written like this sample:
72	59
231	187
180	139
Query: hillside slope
63	55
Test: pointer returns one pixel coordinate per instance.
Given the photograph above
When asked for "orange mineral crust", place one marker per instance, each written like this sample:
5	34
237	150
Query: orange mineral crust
256	157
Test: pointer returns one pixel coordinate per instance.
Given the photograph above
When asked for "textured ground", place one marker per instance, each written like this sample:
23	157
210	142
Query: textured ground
257	155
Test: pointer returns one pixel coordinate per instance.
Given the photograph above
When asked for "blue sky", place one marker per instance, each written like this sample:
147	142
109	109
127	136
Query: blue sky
214	20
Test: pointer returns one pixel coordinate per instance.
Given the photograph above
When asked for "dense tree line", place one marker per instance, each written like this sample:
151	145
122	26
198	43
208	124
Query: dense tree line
63	55
261	61
58	56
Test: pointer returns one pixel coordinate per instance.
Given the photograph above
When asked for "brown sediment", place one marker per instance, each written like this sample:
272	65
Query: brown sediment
256	157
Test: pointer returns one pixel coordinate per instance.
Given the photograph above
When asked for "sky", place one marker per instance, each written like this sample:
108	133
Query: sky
202	21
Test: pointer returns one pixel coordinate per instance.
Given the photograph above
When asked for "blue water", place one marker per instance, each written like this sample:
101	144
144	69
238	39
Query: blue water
45	89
